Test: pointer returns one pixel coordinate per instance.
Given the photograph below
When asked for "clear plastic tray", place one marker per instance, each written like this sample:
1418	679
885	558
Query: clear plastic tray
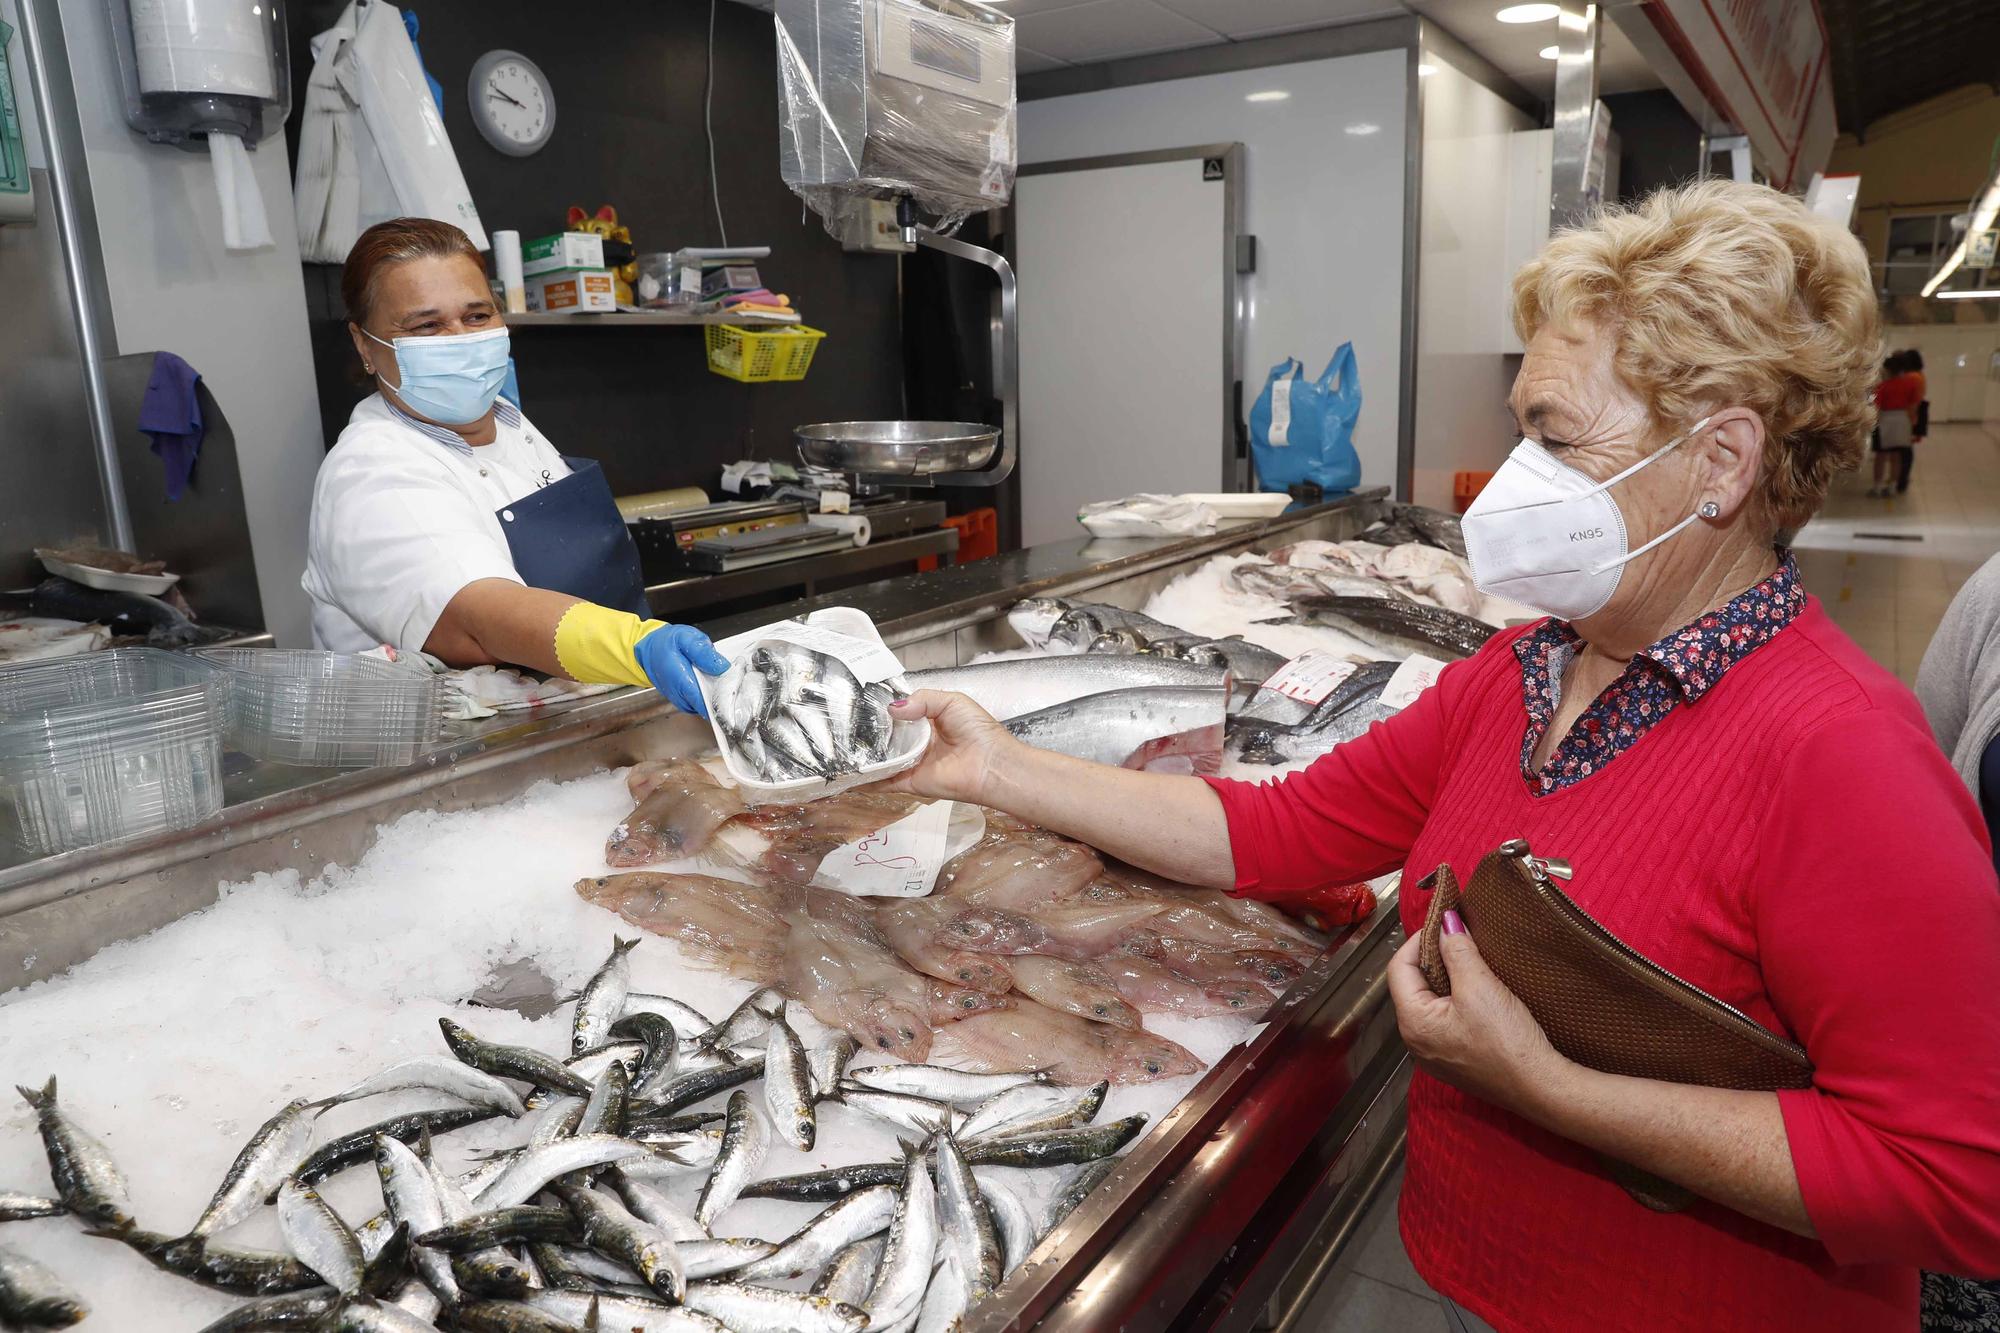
328	710
110	745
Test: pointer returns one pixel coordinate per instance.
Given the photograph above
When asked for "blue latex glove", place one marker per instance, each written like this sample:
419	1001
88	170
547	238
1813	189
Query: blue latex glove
670	655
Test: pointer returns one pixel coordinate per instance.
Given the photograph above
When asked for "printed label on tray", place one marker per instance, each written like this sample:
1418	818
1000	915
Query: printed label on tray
1412	678
869	662
902	860
1310	676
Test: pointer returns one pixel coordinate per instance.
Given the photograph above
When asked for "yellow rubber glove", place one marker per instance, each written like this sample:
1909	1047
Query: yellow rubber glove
599	646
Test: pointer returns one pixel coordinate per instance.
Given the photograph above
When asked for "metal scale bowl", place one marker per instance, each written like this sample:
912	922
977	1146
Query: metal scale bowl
923	453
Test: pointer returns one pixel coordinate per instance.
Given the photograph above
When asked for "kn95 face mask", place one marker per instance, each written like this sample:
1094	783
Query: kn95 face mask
1547	536
452	378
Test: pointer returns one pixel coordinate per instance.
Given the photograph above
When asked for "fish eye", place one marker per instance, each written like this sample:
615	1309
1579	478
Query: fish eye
1100	1008
883	1042
908	1035
1152	1066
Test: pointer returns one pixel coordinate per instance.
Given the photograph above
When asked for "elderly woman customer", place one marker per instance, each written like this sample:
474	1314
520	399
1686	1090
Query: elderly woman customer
1690	730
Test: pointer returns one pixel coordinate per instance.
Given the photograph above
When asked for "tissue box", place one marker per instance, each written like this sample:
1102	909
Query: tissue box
564	250
573	290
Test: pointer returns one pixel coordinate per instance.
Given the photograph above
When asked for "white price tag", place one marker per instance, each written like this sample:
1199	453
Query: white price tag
1280	436
900	861
1412	678
834	502
1310	676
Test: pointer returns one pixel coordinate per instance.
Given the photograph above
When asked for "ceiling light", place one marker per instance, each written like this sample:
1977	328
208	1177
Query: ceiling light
1971	294
1268	95
1528	13
1425	71
1363	128
1984	213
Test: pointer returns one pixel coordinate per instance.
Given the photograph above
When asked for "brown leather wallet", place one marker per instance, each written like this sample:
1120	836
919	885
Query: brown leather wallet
1601	1003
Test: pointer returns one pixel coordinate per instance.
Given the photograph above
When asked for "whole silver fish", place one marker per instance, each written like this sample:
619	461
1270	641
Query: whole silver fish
662	1058
1080	626
318	1238
747	1022
622	1313
31	1296
913	1242
1134	728
19	1205
587	1065
1250	663
745	1139
689	1022
1308	740
452	1077
1034	619
722	1254
940	1082
1011	1219
854	1218
1399	625
1020	686
604	1112
1031	1107
1057	1147
525	1175
371	1317
302	1309
945	1300
851	1275
272	1153
602	1002
615	1233
697	1085
828	1062
969	1235
924	1115
224	1267
495	1263
788	1086
747	1309
1088	1178
648	1203
411	1193
678	1154
87	1181
530	1066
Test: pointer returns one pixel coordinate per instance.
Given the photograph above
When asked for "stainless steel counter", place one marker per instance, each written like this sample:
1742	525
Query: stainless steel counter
1209	1222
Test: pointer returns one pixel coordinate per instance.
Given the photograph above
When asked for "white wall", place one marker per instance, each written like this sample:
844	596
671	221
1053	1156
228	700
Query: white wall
239	319
1465	260
1324	200
1957	358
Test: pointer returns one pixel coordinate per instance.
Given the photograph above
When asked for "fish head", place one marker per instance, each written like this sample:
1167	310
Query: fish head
1140	943
636	843
1239	997
951	1003
888	1026
1110	1009
980	972
991	930
1268	966
1143	1058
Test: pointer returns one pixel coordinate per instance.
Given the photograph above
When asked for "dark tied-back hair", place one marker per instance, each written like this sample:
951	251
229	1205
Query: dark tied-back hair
397	241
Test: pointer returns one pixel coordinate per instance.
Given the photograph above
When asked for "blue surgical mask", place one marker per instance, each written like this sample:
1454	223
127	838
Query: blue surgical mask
452	378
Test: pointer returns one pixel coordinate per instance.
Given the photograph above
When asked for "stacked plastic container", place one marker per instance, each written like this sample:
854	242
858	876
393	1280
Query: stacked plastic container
328	710
110	745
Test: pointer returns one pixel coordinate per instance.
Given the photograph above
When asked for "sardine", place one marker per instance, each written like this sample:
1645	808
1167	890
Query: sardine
1011	1219
604	1112
411	1193
689	1022
714	1256
827	1063
745	1139
919	1114
454	1078
1178	727
530	1066
318	1238
747	1309
1087	1178
825	1186
371	1317
501	1226
853	1218
676	818
1057	1147
1083	989
940	1083
615	1233
1070	1050
272	1153
19	1206
696	1086
528	1173
662	1058
945	1300
303	1309
337	1155
1017	687
788	1086
969	1235
624	1314
643	1201
224	1267
677	1154
913	1242
1398	625
87	1181
602	1001
851	1274
1032	1107
747	1022
507	1317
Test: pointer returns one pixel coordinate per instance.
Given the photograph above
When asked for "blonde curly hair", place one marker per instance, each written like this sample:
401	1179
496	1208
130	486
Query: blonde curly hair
1722	294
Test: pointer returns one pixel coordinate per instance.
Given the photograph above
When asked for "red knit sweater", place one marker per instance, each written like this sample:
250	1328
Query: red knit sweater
1794	844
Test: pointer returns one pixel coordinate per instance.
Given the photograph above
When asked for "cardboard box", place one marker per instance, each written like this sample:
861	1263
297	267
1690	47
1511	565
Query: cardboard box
564	250
573	290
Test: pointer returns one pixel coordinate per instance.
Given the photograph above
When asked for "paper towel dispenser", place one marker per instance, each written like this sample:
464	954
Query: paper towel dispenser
191	68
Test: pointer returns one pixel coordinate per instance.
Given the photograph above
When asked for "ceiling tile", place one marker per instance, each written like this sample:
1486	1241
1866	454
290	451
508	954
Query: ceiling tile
1030	62
1111	30
1235	18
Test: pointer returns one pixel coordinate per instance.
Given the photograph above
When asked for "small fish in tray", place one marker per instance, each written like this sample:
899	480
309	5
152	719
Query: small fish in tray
789	712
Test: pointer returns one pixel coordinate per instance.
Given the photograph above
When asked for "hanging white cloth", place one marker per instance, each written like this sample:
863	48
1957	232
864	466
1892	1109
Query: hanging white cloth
371	143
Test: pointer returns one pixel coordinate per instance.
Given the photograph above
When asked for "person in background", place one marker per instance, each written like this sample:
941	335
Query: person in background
1710	752
444	521
1920	419
1896	398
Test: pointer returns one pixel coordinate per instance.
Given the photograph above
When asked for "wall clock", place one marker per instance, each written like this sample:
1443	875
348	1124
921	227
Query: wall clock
512	103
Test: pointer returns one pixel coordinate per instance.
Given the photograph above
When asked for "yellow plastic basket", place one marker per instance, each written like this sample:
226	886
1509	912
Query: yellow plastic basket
761	356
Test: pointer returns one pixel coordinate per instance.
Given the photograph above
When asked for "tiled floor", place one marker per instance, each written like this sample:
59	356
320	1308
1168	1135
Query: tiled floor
1886	570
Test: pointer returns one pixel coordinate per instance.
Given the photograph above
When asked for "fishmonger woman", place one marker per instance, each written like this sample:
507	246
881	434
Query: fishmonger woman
1747	800
443	520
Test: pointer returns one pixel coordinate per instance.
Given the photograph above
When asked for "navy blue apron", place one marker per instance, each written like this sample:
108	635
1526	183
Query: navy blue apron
569	537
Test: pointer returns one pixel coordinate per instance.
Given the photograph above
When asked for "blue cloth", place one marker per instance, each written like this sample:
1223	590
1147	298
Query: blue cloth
171	414
437	89
570	537
1678	669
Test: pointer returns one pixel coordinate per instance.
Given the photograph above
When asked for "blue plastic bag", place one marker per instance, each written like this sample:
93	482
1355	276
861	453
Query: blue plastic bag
1303	430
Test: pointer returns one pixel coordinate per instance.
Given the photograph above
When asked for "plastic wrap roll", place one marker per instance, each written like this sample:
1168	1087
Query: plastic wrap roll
854	525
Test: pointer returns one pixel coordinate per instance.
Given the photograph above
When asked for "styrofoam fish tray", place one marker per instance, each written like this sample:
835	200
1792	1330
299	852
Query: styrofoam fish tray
842	632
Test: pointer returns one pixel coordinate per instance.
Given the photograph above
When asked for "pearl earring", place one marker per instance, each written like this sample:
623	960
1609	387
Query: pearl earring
1711	510
367	369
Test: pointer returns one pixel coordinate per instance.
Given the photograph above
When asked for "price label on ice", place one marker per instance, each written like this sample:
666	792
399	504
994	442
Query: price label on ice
900	861
1412	678
1310	676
